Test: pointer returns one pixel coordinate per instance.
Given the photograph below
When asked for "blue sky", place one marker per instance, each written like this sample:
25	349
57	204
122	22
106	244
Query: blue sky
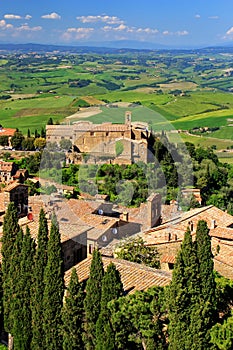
167	22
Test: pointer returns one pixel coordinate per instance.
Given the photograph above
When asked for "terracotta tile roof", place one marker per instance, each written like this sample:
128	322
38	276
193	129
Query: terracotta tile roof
7	132
222	232
99	224
67	231
111	127
224	258
20	172
13	186
168	259
2	206
81	207
134	276
209	213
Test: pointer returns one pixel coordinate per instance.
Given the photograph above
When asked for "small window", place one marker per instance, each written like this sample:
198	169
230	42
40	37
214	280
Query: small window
107	133
90	248
92	133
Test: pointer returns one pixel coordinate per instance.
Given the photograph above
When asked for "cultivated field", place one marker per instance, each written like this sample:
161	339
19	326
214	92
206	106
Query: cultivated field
169	91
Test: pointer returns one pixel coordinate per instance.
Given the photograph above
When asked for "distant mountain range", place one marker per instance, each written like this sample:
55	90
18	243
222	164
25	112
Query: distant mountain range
120	46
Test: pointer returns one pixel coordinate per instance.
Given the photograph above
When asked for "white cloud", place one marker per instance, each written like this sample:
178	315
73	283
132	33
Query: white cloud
197	16
77	33
123	27
120	28
213	17
25	27
52	15
182	32
178	33
28	17
2	23
11	16
147	30
80	30
105	19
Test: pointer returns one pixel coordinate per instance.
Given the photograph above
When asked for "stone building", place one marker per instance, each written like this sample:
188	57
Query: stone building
120	143
168	237
18	194
7	171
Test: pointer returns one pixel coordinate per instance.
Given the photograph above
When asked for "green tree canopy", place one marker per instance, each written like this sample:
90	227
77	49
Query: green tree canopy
73	315
93	299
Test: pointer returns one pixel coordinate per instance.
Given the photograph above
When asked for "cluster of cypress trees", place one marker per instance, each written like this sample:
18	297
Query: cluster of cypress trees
192	293
32	284
97	315
35	311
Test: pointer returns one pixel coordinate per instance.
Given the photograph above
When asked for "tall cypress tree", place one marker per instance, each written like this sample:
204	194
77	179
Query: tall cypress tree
1	300
10	230
192	303
73	315
112	289
38	283
22	310
10	286
54	289
180	295
93	298
204	312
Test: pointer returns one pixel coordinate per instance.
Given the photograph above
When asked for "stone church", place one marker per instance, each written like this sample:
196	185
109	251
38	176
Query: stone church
107	142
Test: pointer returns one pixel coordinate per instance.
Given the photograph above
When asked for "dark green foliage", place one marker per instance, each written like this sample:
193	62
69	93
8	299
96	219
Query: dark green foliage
22	321
38	283
28	144
65	144
93	298
135	250
50	121
138	320
192	293
4	140
11	284
224	296
10	232
206	305
17	140
53	291
222	334
1	300
112	289
73	315
181	292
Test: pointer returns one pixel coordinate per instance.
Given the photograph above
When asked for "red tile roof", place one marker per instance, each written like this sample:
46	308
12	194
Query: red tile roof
7	132
171	259
134	276
222	232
